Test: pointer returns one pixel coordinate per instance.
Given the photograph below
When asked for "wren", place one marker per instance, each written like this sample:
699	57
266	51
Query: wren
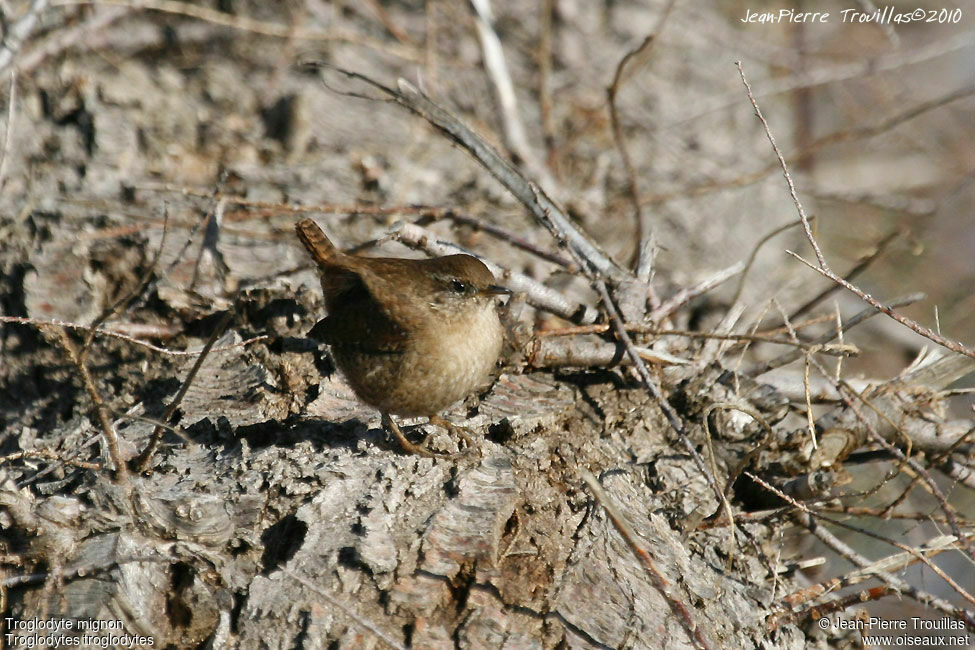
411	336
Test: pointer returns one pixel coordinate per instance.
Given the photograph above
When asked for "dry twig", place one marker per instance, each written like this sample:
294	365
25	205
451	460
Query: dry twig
851	322
497	69
651	385
41	323
633	541
367	625
19	32
101	411
246	24
11	113
65	39
142	462
684	296
538	203
878	570
646	238
929	481
824	268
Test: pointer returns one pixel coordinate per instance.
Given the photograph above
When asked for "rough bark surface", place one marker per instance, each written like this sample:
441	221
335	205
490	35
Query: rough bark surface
154	156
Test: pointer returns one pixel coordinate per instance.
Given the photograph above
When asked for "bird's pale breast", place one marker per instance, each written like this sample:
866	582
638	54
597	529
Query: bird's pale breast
433	371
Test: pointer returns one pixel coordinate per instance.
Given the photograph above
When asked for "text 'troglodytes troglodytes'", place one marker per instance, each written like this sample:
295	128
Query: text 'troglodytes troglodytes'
411	336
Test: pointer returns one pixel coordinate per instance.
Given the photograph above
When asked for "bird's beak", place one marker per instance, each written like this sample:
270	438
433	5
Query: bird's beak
495	290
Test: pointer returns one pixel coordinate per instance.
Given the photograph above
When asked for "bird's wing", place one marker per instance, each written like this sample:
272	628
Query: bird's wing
358	321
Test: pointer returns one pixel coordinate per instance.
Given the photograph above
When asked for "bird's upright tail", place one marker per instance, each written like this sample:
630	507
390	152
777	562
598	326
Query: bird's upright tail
315	241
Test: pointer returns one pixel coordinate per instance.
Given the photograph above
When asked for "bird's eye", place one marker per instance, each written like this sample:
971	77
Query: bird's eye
458	286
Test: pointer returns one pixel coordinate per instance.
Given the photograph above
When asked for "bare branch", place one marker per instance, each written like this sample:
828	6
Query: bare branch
39	322
684	296
142	462
11	113
19	32
785	170
497	69
858	268
538	203
927	333
252	25
808	519
823	268
369	626
646	237
101	411
70	37
660	582
652	387
855	320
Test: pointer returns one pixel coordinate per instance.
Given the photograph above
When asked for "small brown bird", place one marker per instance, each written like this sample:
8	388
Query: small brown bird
411	336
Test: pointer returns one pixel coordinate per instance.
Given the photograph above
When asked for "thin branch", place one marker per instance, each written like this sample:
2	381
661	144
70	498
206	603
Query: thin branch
645	232
11	113
846	350
885	125
646	236
142	462
843	390
899	204
723	504
380	12
19	32
68	456
785	170
244	23
757	247
855	320
929	481
652	387
81	571
861	68
430	37
356	618
502	234
684	296
714	349
497	69
39	322
663	586
427	214
824	268
851	275
101	411
49	454
544	59
927	333
536	200
880	513
808	519
130	295
68	38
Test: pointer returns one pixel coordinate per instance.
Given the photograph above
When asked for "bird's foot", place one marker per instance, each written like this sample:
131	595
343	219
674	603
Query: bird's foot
420	449
463	432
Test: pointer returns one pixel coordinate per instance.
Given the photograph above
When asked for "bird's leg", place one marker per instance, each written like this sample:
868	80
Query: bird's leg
463	432
390	424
